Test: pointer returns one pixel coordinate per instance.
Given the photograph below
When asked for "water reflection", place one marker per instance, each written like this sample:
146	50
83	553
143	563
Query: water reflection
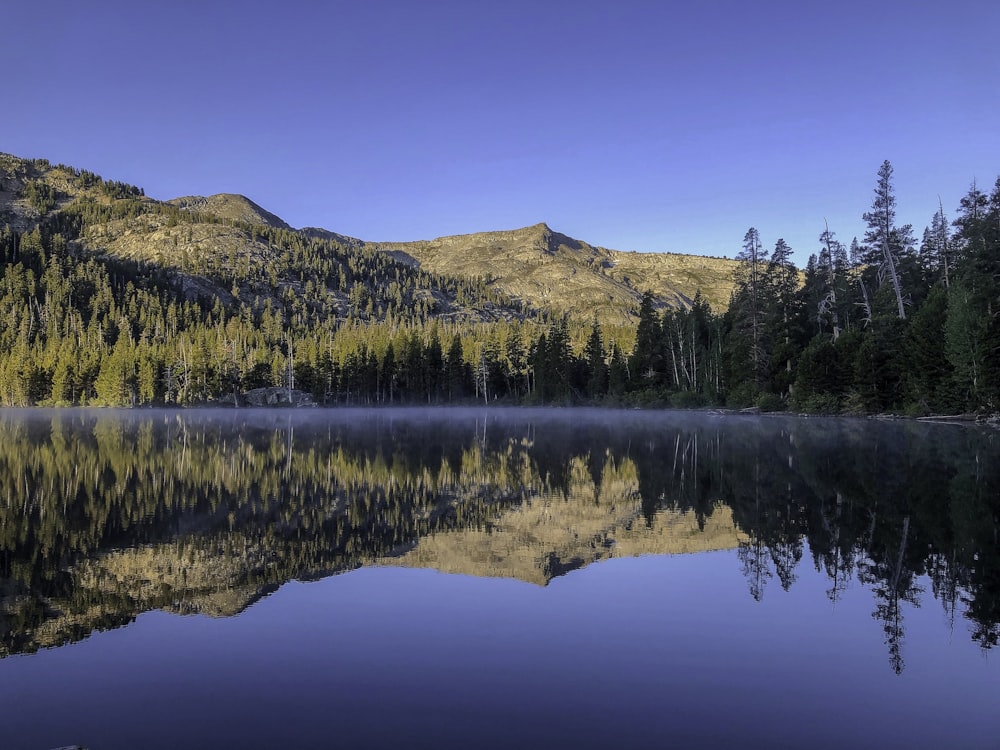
104	515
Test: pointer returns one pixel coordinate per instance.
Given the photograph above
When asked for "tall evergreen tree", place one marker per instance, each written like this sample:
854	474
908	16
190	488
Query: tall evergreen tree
783	316
516	356
936	259
558	360
618	373
456	370
647	361
597	367
886	244
116	380
832	311
748	351
433	366
972	328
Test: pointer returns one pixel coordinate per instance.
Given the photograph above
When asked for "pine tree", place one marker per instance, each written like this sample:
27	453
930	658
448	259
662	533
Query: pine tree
455	370
517	363
929	374
597	368
748	350
936	259
433	366
832	270
887	245
388	375
647	360
558	360
544	381
972	328
115	383
64	375
783	312
618	373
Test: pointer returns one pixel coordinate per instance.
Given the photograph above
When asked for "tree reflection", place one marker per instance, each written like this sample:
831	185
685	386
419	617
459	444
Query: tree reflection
832	555
106	515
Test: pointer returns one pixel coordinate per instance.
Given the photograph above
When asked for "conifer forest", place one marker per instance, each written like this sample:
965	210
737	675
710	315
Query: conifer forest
886	322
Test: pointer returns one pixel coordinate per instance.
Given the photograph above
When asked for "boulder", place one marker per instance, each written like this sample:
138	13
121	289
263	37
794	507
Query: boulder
277	396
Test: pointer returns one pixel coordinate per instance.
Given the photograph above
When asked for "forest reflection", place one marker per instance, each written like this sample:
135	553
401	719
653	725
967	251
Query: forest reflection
104	515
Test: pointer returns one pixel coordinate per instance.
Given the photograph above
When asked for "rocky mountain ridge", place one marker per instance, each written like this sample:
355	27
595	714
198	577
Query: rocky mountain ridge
537	266
554	270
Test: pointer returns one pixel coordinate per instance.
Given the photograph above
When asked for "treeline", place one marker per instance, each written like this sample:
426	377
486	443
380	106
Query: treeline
885	323
100	331
276	308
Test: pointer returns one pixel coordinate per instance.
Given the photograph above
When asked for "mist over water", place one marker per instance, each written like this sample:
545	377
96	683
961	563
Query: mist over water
605	565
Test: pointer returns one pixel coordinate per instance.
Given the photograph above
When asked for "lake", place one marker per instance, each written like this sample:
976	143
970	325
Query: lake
495	578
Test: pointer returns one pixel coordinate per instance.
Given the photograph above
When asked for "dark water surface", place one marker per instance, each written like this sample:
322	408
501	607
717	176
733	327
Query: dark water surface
474	578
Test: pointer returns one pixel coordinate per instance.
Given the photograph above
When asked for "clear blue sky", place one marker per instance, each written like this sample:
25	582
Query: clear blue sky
652	126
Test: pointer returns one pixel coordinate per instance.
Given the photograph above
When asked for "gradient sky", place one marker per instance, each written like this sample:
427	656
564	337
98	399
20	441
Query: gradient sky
652	126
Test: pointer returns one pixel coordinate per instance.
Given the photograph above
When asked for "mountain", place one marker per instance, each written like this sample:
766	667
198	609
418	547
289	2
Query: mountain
553	271
111	297
209	240
225	247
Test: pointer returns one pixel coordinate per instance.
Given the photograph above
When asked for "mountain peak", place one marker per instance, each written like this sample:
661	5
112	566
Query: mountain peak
230	206
534	264
554	271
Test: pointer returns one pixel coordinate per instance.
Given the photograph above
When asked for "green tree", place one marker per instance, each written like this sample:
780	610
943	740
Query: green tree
747	346
887	245
928	372
618	372
597	367
115	383
433	366
516	356
972	328
456	370
784	312
647	362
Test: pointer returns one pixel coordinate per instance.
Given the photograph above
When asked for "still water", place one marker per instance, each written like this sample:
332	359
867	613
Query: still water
474	578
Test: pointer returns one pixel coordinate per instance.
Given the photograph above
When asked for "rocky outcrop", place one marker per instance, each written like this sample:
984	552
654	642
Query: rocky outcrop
276	396
230	206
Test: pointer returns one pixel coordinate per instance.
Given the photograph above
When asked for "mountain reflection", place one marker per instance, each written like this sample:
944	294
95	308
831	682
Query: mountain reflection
104	515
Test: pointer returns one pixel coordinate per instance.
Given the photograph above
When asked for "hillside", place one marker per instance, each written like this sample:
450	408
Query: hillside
554	271
230	206
110	297
226	247
213	241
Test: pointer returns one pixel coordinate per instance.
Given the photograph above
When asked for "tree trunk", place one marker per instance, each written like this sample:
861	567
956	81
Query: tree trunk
894	277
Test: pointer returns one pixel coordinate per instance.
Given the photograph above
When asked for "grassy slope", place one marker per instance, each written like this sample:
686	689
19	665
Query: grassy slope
553	270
